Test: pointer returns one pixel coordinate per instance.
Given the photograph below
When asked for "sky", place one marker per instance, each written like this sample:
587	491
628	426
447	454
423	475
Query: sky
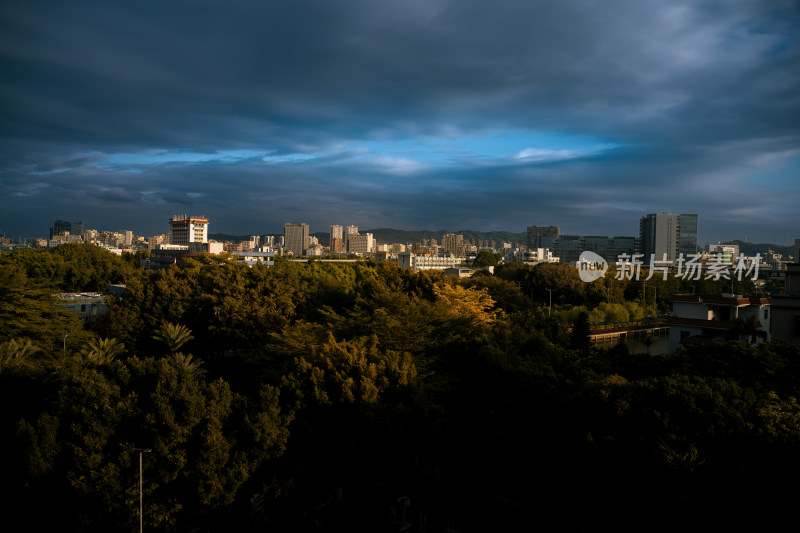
417	115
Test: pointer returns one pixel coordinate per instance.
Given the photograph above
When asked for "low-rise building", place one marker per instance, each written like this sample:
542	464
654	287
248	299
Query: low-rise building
785	325
416	263
255	258
86	304
698	318
534	256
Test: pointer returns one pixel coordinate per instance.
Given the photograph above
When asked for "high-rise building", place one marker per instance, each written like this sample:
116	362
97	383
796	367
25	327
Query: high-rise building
454	244
348	231
295	237
336	244
687	234
668	233
64	227
535	234
184	229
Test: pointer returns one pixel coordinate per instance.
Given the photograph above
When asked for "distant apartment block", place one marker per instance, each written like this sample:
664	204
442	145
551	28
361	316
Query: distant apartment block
348	232
454	244
729	252
535	234
336	244
296	238
361	244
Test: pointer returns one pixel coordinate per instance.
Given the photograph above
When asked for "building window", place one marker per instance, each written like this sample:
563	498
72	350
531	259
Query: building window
766	313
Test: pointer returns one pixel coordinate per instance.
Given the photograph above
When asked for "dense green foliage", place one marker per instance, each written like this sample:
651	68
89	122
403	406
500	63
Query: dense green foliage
313	396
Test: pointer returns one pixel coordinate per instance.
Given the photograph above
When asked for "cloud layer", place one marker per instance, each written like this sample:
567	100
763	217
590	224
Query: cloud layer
416	115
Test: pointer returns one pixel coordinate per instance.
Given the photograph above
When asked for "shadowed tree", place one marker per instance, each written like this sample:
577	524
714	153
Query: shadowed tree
580	331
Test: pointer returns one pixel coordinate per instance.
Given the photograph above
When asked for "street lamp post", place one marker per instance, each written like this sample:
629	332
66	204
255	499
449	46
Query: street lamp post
141	507
550	309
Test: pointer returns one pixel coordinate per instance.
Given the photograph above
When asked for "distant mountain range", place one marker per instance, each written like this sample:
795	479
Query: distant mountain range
750	249
390	236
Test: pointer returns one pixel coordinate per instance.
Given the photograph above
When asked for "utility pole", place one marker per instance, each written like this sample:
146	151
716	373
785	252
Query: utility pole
65	342
141	507
655	300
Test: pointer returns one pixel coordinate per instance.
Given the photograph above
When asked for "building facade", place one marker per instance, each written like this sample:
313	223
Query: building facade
348	231
454	244
336	245
185	229
702	318
416	263
65	227
295	238
668	234
786	307
361	244
535	234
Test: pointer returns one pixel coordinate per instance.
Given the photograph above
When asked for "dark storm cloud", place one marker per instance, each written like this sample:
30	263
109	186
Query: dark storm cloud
696	96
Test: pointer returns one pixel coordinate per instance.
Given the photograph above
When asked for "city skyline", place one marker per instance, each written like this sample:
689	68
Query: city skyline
416	116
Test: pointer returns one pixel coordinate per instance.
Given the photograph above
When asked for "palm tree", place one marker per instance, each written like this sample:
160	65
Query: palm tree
748	329
16	353
684	462
101	351
174	335
188	363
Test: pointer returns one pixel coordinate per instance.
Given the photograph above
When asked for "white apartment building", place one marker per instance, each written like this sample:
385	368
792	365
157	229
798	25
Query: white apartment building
416	263
361	244
697	317
534	256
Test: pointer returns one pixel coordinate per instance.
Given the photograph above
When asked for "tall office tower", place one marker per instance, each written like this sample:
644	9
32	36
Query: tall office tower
295	238
337	243
535	234
668	233
183	230
128	234
348	231
454	244
687	234
76	228
61	227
